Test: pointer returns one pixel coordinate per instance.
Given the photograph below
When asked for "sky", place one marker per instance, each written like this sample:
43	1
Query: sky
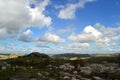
60	26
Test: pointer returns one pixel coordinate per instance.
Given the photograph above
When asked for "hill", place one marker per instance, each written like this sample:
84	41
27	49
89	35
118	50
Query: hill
70	55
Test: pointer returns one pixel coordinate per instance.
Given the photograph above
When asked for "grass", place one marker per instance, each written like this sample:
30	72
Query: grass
5	75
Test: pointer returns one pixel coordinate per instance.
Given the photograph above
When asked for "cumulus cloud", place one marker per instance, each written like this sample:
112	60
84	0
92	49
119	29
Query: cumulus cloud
37	14
16	15
41	41
39	19
81	37
93	31
51	38
112	33
79	45
68	12
13	15
25	36
90	34
104	41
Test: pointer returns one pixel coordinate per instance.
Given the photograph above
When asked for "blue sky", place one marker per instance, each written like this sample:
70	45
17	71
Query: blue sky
60	26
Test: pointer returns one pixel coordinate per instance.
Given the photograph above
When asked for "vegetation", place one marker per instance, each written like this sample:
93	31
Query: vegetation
37	66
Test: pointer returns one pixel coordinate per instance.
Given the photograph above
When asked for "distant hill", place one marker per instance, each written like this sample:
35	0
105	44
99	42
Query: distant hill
70	55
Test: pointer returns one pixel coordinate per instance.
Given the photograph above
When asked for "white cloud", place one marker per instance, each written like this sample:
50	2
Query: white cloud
47	38
3	33
90	34
116	37
67	30
59	6
28	32
37	16
68	12
79	45
25	36
74	48
102	42
110	32
99	38
81	37
51	38
13	15
16	15
93	31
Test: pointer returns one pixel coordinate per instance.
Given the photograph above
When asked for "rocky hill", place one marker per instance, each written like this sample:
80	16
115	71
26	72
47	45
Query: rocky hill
38	55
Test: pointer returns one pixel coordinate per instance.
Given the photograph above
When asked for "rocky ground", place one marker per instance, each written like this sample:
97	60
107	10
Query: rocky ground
41	67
